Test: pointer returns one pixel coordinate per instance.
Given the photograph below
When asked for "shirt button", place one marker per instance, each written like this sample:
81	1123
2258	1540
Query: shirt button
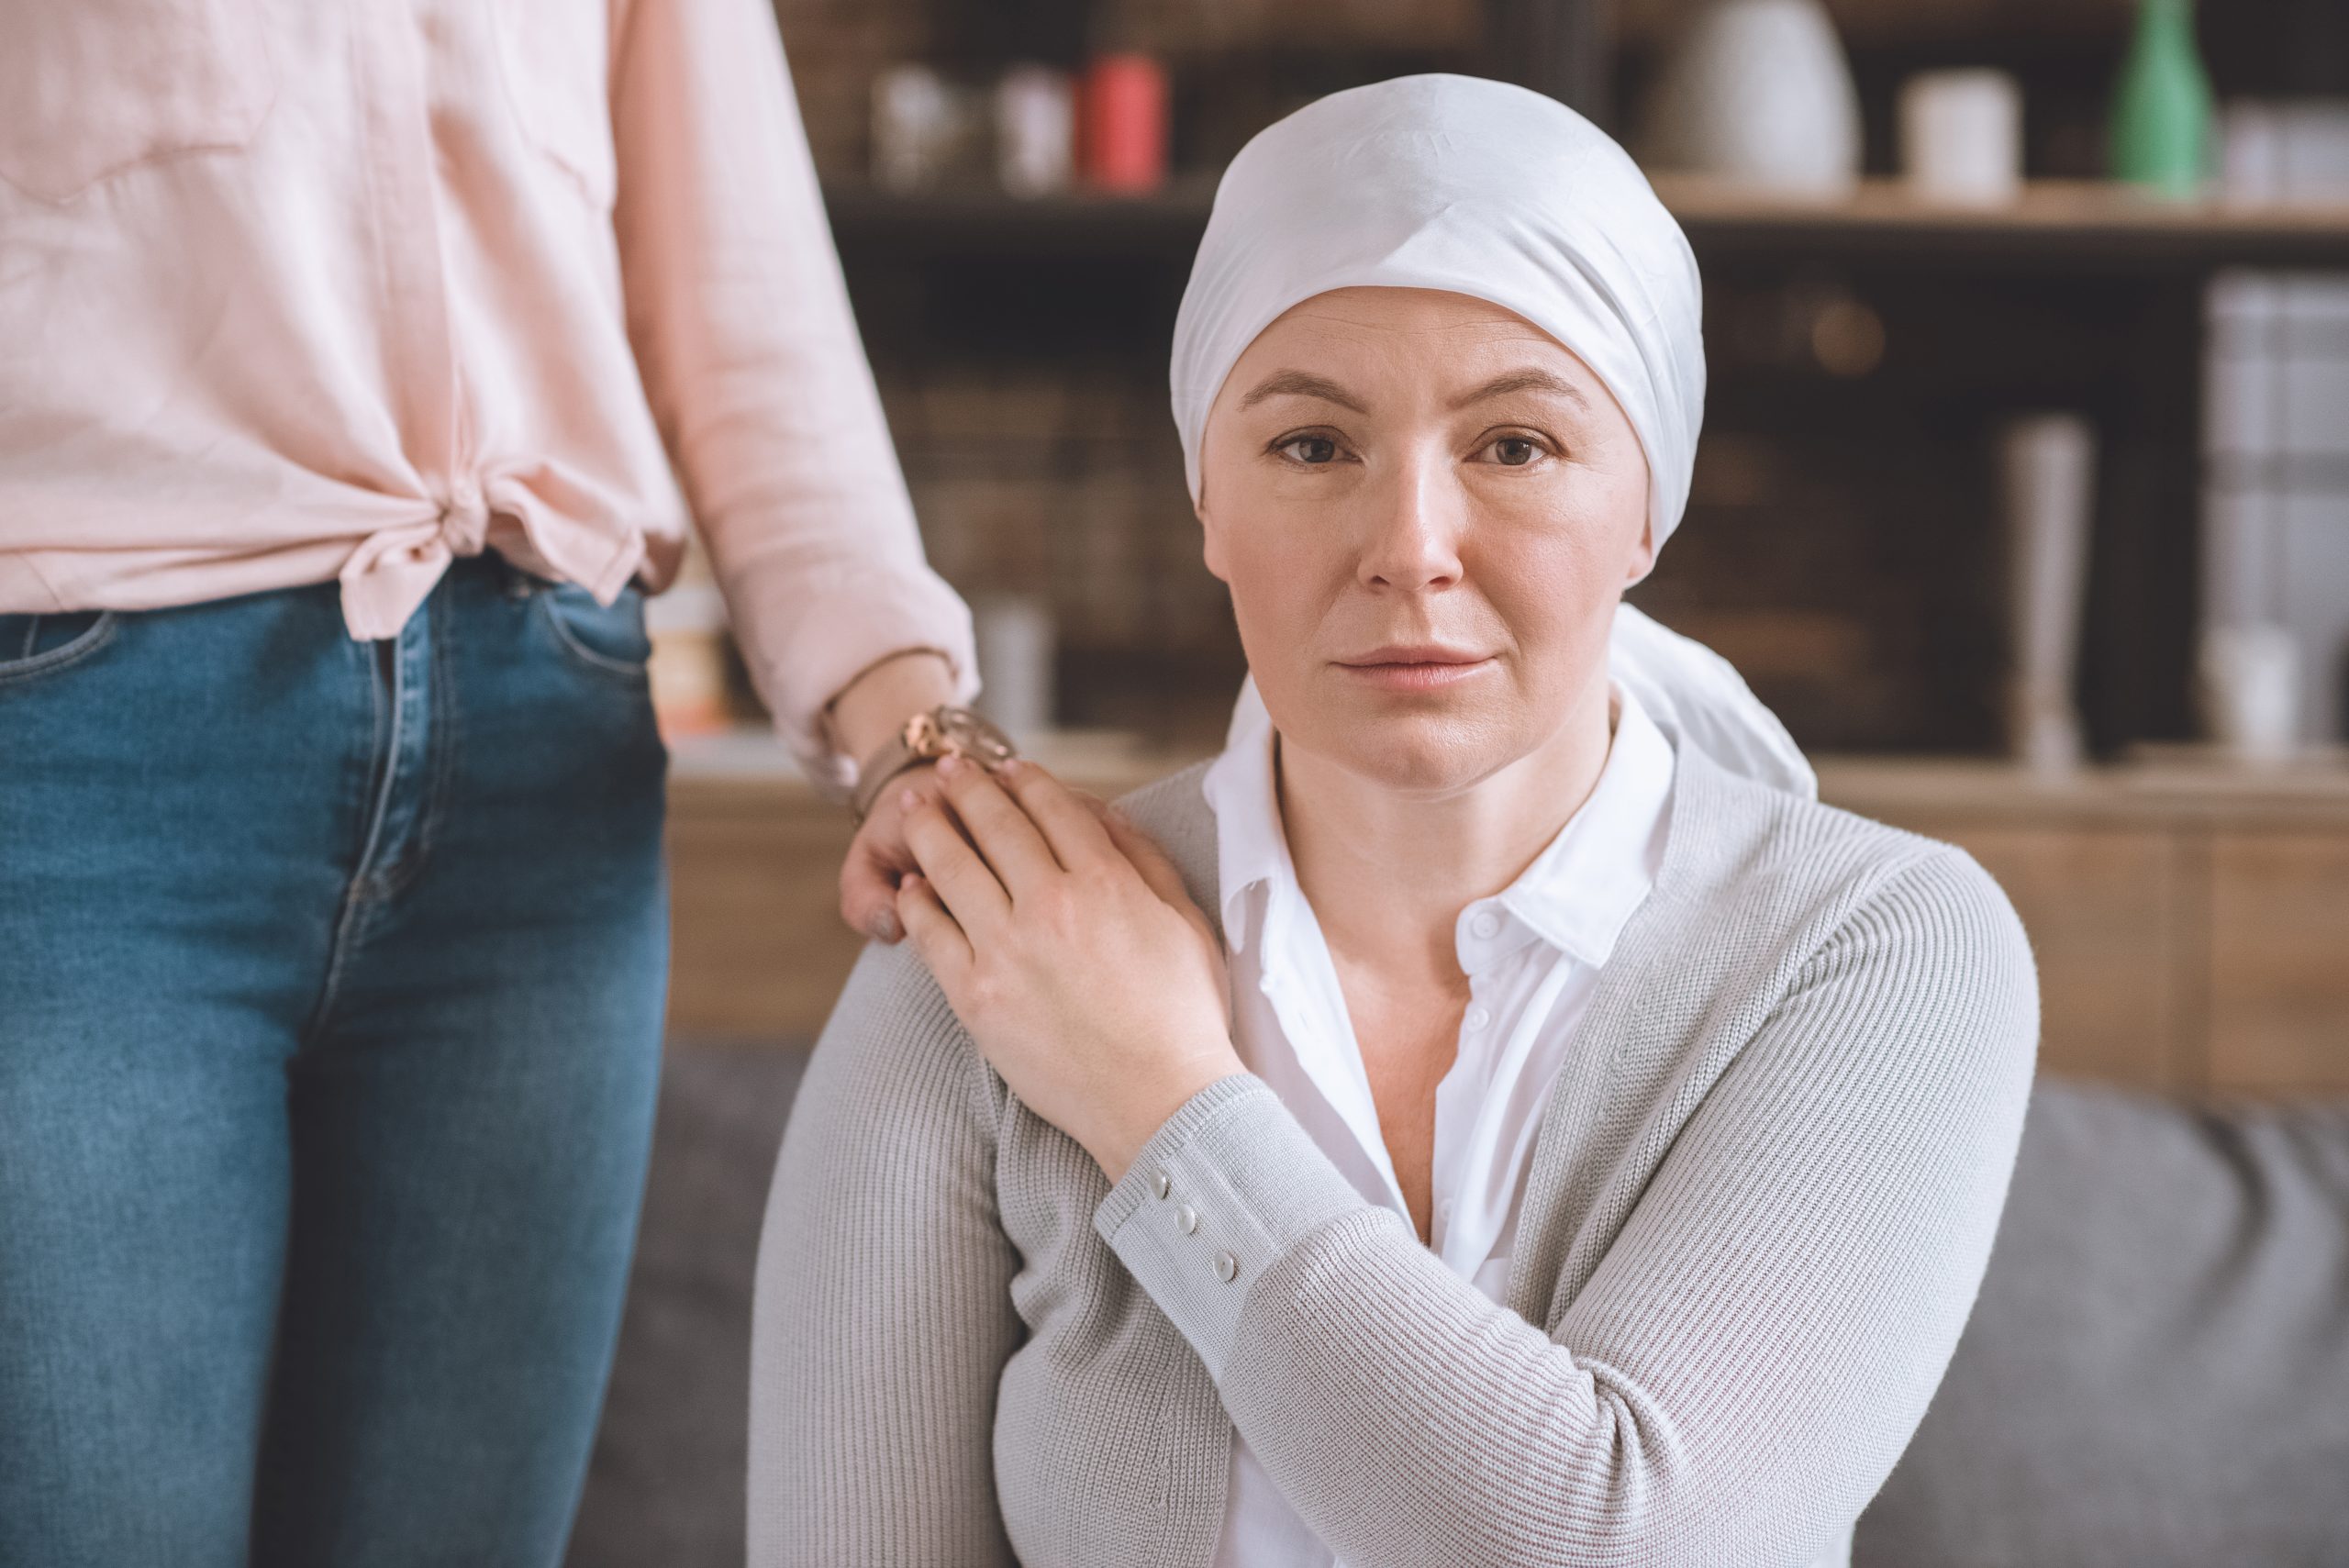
1226	1266
1188	1217
1162	1184
1477	1018
1443	1211
1486	925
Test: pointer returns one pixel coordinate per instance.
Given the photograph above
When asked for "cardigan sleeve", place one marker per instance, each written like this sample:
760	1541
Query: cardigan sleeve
883	1316
1753	1350
751	363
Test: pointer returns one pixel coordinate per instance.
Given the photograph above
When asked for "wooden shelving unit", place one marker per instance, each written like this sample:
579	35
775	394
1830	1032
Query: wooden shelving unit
2063	225
2068	224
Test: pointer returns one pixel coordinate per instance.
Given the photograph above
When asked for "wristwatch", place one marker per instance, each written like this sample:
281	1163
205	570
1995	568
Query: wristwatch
925	737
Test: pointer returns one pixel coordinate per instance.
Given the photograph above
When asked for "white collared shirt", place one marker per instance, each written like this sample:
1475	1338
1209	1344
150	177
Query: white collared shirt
1533	953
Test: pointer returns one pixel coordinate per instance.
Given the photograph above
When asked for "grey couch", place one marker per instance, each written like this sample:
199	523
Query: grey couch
2156	1374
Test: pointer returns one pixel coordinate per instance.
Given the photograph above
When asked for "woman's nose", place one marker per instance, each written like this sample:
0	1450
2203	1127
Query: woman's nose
1414	526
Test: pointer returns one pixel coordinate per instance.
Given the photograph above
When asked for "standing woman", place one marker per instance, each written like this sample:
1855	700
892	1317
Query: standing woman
359	366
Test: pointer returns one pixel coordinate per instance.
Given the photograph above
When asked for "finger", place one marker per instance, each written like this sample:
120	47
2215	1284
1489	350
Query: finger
1075	834
962	880
939	942
1016	851
869	894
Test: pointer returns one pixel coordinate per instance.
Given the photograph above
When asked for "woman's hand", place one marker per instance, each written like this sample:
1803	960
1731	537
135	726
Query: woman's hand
1069	948
878	857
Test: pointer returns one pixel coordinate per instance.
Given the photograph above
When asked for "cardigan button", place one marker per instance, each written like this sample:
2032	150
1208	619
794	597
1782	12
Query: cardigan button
1188	1217
1162	1184
1226	1266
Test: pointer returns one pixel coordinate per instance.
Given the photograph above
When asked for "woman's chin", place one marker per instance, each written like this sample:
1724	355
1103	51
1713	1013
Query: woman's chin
1424	752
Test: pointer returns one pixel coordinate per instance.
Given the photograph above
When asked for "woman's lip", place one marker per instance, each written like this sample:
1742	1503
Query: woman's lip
1416	675
1414	653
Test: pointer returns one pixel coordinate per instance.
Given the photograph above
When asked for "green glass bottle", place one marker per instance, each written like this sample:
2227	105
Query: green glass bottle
2161	108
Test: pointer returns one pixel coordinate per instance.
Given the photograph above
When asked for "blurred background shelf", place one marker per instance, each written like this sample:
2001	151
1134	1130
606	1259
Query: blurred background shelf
2085	224
2056	224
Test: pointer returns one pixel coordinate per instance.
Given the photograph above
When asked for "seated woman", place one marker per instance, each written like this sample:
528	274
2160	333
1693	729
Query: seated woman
1594	1146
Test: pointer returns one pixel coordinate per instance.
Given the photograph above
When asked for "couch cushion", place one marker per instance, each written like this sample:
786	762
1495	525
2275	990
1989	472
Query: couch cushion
2157	1372
665	1485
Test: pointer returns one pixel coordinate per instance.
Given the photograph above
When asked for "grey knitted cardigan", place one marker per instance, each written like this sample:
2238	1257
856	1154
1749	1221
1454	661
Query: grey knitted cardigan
1762	1199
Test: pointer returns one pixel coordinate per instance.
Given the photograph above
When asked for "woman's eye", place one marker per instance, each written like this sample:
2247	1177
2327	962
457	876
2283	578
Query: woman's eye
1514	452
1311	449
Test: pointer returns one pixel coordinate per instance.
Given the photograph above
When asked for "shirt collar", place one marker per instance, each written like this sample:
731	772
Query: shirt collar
1250	848
1582	889
1576	896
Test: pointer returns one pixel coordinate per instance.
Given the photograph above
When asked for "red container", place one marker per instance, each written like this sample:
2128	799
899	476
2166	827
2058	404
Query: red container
1121	134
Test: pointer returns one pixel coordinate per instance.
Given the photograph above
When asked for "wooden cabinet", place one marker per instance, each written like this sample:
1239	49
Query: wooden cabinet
2192	929
2191	925
758	950
2278	943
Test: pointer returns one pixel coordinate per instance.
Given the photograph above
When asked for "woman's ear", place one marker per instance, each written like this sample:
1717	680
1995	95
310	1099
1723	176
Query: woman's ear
1212	538
1643	557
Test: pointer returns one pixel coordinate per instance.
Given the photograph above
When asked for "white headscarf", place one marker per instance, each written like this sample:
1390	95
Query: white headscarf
1484	189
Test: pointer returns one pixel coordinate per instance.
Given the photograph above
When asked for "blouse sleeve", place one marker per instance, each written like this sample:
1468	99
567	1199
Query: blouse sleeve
751	362
1753	1350
883	1317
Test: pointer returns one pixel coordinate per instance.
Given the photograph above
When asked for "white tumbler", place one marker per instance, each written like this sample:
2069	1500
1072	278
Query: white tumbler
1961	135
1014	633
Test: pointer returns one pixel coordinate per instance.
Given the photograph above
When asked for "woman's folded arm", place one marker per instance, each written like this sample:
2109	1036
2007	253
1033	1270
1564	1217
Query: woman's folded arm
884	1314
1749	1358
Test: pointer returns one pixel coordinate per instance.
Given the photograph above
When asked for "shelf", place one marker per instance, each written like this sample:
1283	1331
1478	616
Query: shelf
2164	785
2064	223
2169	787
983	221
2055	225
751	763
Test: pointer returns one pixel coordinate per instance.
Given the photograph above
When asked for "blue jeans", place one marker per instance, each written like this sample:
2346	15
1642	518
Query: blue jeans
331	980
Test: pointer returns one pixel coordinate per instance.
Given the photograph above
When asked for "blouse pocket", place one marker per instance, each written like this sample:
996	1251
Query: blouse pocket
555	56
90	88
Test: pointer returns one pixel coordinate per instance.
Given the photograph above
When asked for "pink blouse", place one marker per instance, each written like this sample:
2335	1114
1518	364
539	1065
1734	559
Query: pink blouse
292	291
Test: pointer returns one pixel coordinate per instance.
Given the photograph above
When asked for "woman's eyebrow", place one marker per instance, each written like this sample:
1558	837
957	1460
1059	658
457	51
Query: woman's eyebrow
1528	380
1299	383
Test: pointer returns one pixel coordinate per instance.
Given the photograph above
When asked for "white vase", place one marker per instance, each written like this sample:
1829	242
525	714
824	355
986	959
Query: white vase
2047	464
1758	92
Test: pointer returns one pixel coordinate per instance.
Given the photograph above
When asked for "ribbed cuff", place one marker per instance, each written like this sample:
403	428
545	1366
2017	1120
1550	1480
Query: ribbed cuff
1223	1189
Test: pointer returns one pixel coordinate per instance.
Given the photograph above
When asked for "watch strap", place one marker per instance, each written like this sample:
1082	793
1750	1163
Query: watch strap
927	736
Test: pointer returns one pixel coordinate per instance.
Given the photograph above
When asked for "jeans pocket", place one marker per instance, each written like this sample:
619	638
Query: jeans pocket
609	639
32	646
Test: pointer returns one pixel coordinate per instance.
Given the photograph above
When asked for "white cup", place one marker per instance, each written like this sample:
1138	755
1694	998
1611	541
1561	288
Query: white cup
2250	678
1035	131
916	123
1961	135
1014	633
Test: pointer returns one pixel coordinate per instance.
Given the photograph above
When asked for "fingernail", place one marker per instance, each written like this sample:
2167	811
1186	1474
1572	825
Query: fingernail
950	764
909	799
884	926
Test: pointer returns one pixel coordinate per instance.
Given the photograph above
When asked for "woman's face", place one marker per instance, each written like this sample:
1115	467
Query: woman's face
1426	509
